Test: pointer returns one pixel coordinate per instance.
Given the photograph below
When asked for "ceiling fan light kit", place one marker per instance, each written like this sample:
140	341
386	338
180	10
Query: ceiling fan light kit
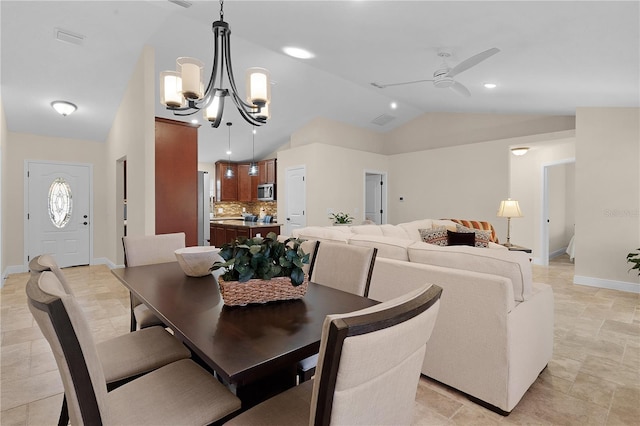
443	77
183	92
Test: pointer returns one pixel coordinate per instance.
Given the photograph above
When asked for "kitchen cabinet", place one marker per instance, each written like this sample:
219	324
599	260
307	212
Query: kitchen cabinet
176	178
267	172
226	188
247	185
228	230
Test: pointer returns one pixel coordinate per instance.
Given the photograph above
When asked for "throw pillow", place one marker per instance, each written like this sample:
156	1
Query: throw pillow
482	237
437	235
461	238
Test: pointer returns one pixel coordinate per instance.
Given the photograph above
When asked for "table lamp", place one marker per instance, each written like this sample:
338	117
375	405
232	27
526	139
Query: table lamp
509	208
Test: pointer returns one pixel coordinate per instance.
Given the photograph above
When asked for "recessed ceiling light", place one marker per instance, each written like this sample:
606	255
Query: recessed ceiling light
228	152
297	52
393	105
63	108
490	85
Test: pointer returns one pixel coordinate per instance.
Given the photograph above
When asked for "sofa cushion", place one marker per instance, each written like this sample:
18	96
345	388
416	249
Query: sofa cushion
389	248
338	234
437	236
394	231
476	224
366	230
509	264
413	228
483	238
461	238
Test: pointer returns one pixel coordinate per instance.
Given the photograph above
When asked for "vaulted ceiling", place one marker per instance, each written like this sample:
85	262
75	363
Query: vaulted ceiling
554	57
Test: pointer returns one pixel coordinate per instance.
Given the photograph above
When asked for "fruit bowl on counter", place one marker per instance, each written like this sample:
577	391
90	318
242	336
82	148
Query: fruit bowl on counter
196	261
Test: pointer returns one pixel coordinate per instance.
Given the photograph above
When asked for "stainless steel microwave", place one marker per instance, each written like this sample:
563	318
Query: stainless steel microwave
266	192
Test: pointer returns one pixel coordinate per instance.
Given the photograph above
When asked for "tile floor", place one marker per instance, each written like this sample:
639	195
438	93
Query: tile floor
593	378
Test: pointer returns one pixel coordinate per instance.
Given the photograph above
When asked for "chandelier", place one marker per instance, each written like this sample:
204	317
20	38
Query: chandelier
182	91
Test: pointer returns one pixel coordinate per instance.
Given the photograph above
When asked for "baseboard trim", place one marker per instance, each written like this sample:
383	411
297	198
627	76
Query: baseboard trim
557	253
610	284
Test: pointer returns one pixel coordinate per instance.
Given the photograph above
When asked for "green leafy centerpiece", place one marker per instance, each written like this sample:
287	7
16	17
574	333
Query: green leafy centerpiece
260	270
341	218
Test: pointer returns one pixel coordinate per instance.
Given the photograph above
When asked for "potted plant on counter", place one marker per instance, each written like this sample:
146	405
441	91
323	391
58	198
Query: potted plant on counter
341	218
260	270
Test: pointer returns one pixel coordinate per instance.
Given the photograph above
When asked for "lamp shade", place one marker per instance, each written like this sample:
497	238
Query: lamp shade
258	86
171	89
509	208
191	72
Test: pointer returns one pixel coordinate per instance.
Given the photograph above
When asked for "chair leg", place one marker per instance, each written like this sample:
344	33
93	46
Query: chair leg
132	302
64	412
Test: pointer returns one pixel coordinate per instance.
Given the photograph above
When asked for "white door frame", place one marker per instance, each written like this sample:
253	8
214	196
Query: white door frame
25	253
385	188
544	213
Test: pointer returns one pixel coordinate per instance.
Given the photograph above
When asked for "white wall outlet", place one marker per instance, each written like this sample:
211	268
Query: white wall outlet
220	210
244	210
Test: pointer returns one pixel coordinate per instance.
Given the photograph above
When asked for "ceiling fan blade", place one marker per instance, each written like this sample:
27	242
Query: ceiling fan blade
472	61
460	89
382	86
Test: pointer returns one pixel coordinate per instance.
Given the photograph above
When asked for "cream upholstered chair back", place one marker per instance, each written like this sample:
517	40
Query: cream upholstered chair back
370	361
46	262
65	327
150	249
344	267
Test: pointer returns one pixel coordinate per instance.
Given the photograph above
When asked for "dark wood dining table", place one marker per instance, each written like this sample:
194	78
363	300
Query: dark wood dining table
253	348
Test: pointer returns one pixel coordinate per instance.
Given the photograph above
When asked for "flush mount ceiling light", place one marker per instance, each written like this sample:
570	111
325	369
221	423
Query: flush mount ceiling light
182	91
522	150
297	52
63	108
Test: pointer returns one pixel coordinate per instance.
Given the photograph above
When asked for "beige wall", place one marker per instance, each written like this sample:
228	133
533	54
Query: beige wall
21	147
607	195
3	143
464	182
132	136
334	180
330	132
440	129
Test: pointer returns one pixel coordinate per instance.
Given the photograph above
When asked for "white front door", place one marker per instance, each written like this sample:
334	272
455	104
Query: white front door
296	199
58	212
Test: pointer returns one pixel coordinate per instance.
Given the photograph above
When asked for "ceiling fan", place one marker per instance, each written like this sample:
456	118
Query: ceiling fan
443	76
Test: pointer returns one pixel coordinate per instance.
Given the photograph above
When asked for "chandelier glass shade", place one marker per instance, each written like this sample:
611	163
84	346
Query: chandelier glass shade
183	91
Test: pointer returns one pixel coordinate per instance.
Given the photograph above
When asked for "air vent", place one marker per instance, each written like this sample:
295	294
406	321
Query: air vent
68	37
383	119
181	3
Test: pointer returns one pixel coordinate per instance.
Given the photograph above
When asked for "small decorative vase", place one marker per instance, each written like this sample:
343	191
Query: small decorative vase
235	293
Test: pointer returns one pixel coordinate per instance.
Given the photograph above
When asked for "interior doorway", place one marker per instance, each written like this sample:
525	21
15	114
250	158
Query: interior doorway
375	197
296	198
558	211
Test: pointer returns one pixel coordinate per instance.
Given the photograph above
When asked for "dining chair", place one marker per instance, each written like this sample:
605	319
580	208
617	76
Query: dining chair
344	267
178	393
368	369
147	250
124	357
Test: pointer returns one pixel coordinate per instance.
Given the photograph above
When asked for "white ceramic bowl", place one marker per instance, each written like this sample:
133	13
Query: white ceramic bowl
196	261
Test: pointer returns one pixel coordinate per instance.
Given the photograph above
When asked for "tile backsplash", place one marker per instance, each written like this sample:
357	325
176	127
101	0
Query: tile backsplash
234	208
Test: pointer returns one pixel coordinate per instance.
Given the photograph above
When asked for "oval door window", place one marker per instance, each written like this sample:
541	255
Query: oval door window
60	203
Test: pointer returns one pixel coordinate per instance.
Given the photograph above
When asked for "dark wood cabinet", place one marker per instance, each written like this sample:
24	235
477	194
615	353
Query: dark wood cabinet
176	178
247	185
267	172
226	188
222	233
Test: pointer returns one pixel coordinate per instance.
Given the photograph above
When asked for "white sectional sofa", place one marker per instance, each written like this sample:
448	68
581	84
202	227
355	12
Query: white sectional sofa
494	333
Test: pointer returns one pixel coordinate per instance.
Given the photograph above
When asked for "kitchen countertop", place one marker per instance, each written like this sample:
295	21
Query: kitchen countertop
242	223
